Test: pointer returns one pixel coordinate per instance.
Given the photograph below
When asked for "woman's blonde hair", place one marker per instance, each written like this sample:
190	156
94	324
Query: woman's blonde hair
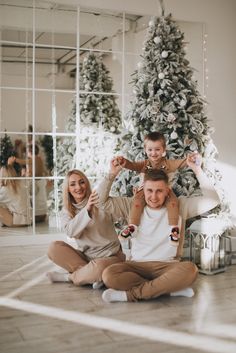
9	172
68	199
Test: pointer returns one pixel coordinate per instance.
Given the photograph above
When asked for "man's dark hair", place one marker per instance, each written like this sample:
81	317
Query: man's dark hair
155	136
156	175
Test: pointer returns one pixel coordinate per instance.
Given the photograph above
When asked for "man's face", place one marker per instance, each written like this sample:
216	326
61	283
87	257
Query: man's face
155	193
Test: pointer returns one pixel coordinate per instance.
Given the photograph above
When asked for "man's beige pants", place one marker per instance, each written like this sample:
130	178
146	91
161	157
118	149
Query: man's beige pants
146	280
82	270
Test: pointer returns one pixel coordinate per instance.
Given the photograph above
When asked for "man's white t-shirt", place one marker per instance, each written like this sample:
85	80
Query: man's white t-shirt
152	241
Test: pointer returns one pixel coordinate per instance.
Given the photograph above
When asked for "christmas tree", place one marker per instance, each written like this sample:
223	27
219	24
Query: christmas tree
6	149
100	122
47	144
166	99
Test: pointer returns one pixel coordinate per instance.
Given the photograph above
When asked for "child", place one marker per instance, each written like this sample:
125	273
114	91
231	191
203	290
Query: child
155	148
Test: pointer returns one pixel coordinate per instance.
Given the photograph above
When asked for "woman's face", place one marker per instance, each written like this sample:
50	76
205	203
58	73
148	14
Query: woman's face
77	187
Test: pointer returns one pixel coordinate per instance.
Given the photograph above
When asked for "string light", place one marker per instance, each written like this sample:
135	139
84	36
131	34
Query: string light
205	70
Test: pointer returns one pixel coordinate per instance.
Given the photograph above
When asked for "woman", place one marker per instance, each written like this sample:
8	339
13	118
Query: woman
93	230
14	198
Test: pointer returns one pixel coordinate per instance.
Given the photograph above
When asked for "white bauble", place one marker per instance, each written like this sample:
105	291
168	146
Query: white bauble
174	135
113	129
151	23
164	54
157	40
182	103
161	75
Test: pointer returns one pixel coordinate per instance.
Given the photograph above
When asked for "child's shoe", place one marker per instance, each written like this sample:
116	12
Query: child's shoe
128	231
174	236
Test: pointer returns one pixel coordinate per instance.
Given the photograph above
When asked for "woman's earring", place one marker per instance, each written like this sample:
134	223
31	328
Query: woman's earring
163	154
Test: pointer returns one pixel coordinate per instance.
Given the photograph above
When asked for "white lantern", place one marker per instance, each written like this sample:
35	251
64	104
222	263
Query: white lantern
207	245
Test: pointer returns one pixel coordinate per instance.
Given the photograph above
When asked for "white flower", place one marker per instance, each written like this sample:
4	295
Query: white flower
171	118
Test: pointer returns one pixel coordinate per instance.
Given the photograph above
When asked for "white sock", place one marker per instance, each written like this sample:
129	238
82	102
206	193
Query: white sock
58	276
98	285
112	295
187	292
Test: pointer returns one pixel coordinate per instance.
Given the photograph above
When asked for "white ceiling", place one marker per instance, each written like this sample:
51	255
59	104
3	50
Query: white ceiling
56	27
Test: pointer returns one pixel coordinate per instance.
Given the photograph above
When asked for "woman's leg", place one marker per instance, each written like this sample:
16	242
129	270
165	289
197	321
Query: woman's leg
65	256
6	217
92	271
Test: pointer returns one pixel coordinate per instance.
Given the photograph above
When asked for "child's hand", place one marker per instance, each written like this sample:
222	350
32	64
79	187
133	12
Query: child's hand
194	161
120	160
11	160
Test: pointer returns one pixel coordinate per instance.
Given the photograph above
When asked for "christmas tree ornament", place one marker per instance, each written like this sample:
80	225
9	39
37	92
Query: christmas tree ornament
173	135
164	54
157	40
182	103
161	75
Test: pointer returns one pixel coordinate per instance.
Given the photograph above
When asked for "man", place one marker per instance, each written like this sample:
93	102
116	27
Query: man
154	268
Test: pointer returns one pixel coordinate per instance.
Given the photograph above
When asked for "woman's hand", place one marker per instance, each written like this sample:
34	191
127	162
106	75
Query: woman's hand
92	201
11	160
115	167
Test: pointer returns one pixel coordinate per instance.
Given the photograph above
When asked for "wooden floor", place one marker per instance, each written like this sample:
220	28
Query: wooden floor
37	316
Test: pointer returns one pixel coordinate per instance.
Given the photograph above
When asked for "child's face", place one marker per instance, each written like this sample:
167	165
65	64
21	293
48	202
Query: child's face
154	150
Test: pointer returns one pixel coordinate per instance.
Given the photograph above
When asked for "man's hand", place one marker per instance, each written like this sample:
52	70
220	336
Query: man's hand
92	201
